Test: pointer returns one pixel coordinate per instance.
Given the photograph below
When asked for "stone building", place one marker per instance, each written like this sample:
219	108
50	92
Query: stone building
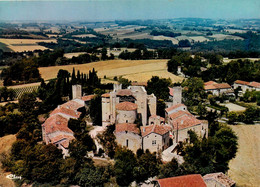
218	180
145	104
218	88
155	137
128	135
246	85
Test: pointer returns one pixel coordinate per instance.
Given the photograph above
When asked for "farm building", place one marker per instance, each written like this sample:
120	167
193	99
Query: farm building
218	88
246	85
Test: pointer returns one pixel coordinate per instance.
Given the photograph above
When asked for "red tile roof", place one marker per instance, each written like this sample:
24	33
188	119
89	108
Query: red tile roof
139	83
74	105
158	129
127	106
174	107
61	137
241	82
88	97
123	127
194	180
217	86
222	85
209	83
180	113
124	92
254	84
157	117
170	91
56	123
185	121
221	178
64	110
106	95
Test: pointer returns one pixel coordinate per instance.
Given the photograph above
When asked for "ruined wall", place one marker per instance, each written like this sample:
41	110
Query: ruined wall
76	91
177	95
152	104
106	111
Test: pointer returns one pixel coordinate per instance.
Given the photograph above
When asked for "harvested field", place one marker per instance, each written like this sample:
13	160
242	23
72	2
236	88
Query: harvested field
199	38
135	36
20	45
173	40
5	147
225	37
245	167
70	55
85	35
135	70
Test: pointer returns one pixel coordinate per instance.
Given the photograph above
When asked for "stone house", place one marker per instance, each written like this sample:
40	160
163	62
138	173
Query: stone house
246	85
157	120
146	104
55	129
128	135
218	88
193	180
183	121
155	137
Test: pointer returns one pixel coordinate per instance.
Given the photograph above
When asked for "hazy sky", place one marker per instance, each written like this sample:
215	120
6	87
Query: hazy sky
92	10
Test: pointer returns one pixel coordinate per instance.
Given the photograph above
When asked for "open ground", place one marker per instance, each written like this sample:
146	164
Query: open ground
5	147
134	70
20	45
245	167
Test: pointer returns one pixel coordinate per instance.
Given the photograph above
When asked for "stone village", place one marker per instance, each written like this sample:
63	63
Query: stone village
124	108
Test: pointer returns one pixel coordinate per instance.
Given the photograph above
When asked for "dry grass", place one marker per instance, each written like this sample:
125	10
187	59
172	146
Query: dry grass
135	70
70	55
199	38
85	35
245	167
173	40
5	147
20	45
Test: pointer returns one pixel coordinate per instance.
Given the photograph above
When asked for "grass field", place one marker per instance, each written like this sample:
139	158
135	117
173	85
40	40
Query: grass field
20	45
70	55
4	47
135	70
5	147
245	167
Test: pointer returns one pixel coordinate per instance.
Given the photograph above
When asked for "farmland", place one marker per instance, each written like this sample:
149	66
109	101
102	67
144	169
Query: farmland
20	45
134	70
5	147
245	167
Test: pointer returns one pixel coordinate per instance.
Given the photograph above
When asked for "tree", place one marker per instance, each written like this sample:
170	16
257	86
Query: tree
159	87
95	110
184	43
27	103
193	91
125	162
147	166
170	169
104	54
201	110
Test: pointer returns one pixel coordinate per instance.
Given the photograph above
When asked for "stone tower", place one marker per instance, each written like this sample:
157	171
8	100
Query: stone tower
76	91
177	95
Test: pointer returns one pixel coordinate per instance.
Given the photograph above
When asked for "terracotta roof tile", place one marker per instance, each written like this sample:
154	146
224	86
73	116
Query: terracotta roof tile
56	123
241	82
170	91
124	92
157	117
88	97
178	114
105	95
221	178
73	104
209	83
122	127
61	137
185	121
174	107
65	110
222	85
139	83
194	180
254	84
127	106
210	87
158	129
